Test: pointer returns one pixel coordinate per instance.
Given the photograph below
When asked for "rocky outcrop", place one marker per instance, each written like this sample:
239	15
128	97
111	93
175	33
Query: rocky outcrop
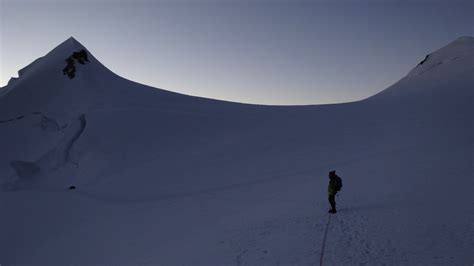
70	68
424	60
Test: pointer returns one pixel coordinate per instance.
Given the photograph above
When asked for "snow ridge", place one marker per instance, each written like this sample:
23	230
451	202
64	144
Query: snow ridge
458	49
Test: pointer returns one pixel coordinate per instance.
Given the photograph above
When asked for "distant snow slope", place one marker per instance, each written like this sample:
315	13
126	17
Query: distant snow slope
165	178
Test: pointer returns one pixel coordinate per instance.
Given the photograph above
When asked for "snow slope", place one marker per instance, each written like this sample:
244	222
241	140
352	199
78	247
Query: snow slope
169	179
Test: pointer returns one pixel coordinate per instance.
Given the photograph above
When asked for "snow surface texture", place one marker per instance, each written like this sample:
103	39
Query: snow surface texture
168	179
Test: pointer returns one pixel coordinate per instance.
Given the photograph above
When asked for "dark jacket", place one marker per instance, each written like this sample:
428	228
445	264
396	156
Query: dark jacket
332	186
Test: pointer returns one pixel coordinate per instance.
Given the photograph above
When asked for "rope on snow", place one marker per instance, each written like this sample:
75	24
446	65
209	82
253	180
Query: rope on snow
324	241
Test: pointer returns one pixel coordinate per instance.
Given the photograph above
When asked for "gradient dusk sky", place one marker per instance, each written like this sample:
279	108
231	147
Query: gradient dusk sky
267	52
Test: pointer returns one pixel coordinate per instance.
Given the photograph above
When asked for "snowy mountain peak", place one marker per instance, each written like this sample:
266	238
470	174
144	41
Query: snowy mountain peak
464	39
65	50
72	40
63	60
460	49
444	72
69	45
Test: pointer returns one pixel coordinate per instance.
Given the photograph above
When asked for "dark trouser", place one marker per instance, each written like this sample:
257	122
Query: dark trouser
332	201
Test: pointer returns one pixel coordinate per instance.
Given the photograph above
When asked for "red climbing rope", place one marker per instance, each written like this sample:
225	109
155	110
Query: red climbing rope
324	241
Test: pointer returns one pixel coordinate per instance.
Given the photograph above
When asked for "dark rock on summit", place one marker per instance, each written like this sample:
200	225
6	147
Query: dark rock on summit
81	56
424	60
70	68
